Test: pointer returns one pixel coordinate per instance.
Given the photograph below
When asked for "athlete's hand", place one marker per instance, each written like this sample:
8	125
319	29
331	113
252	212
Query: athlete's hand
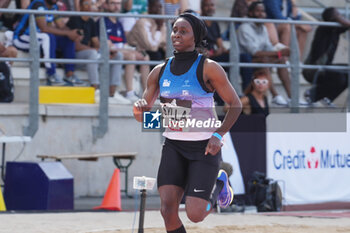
139	107
214	146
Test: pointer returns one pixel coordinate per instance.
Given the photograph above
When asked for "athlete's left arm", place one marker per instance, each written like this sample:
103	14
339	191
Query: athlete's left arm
217	79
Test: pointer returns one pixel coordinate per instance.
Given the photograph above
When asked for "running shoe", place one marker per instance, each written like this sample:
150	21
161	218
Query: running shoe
226	194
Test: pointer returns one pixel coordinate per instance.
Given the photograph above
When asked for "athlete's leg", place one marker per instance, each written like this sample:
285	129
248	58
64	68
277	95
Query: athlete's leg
171	184
170	197
202	175
197	208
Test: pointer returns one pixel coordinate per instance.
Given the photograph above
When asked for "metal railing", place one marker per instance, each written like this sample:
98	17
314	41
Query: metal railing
104	61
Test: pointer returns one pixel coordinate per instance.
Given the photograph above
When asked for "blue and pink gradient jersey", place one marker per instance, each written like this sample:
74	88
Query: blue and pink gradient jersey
183	99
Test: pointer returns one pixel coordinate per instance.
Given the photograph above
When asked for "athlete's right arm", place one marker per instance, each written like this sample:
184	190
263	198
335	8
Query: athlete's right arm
150	94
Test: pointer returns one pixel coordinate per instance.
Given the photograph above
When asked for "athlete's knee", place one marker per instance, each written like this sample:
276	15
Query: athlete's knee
168	211
195	215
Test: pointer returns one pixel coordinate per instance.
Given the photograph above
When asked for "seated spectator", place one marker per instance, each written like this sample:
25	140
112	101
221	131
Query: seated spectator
51	36
6	81
9	51
194	5
286	9
174	7
132	7
329	83
115	33
97	5
135	6
215	47
88	46
4	4
240	8
148	34
254	42
254	100
5	21
66	5
10	20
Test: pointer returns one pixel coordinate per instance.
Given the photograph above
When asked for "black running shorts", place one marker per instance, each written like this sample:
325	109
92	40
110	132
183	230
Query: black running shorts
184	164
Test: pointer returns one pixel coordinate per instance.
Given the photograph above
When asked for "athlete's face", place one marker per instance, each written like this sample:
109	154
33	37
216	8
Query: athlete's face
182	36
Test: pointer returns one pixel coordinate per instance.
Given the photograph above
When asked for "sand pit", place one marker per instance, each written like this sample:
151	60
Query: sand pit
253	229
121	222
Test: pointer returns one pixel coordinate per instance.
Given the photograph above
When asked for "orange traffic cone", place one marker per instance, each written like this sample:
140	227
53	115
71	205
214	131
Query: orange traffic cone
111	200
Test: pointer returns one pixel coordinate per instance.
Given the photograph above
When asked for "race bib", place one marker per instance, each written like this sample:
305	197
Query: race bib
176	114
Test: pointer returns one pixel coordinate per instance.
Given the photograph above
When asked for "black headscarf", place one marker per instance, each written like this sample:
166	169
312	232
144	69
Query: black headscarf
198	27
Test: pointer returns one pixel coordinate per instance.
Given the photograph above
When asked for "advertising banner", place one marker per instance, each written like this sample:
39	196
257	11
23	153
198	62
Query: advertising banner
312	166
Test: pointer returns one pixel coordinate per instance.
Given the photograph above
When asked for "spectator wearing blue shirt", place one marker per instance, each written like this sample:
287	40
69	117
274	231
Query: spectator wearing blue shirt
286	9
50	38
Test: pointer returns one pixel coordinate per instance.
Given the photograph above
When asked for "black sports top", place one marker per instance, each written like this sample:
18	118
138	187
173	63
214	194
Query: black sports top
182	62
